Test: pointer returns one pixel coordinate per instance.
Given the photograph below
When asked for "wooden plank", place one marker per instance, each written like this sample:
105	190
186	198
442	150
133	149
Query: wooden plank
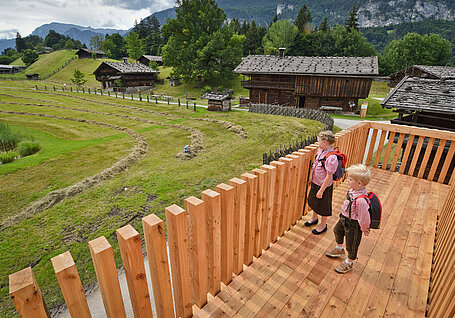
277	199
426	157
70	285
239	186
227	231
303	187
271	177
287	194
155	244
133	262
295	191
26	295
212	201
106	273
177	233
435	133
407	150
251	201
385	161
436	159
447	162
371	149
260	210
334	308
301	183
197	243
380	146
415	158
397	153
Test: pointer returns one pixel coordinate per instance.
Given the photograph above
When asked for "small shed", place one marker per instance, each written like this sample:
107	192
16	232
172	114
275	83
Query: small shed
218	101
174	81
32	76
146	59
88	54
422	71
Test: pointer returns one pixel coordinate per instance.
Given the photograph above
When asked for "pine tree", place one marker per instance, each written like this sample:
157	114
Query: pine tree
352	23
324	27
275	18
303	19
20	43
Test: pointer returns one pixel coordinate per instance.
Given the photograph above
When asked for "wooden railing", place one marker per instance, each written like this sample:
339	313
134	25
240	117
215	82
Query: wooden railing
215	236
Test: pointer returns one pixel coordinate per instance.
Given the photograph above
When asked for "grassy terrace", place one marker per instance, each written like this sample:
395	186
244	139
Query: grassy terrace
72	151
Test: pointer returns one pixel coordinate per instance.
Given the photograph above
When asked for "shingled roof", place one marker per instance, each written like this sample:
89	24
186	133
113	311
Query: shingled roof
303	65
422	94
91	51
441	72
155	58
125	68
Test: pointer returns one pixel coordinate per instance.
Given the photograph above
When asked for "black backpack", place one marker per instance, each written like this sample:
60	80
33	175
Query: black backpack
339	173
375	208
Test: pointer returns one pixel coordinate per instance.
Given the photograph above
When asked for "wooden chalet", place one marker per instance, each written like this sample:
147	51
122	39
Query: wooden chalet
309	82
146	59
423	71
130	75
218	102
88	54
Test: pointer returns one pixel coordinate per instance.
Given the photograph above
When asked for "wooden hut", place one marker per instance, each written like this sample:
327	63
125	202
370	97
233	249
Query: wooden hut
32	76
423	71
146	59
218	101
174	81
129	74
309	82
88	54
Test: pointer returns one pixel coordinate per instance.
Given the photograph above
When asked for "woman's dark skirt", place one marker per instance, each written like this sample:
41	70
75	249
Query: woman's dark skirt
322	207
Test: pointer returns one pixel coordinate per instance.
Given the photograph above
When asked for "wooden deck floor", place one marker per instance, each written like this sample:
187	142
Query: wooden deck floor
294	278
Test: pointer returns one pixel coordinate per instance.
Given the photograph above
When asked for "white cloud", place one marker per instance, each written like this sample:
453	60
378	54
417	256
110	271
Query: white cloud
25	16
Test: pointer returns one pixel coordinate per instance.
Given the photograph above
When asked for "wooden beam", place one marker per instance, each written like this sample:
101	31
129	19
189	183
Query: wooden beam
239	222
250	215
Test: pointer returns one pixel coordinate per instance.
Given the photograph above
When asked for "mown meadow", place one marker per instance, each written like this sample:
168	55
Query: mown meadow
82	135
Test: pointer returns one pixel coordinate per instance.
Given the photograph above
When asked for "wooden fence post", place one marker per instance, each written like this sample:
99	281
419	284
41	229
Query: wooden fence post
70	285
286	194
227	231
239	222
212	201
270	184
250	215
177	231
293	188
26	295
303	188
198	249
106	273
155	242
260	210
277	217
133	262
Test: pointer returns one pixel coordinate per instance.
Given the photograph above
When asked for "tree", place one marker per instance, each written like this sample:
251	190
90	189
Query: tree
199	47
303	20
134	45
274	19
253	40
20	43
69	44
351	43
324	26
78	78
352	23
29	56
281	34
5	60
96	41
114	46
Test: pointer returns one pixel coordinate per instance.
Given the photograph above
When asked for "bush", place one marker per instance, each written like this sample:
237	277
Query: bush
9	156
206	89
8	139
27	148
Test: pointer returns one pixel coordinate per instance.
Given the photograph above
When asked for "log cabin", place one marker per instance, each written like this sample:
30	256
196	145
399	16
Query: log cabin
146	59
218	101
88	54
309	82
423	71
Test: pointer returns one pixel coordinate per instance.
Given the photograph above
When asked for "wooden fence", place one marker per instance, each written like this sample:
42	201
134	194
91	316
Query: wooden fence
212	238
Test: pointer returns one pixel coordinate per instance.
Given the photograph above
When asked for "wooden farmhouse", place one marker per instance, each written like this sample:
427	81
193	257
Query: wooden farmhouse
218	102
309	82
129	74
10	69
423	71
146	59
88	54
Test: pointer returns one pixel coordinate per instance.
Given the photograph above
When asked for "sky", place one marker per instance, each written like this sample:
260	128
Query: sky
24	16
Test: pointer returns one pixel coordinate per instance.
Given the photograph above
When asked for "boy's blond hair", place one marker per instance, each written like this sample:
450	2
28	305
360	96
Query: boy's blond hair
327	135
359	172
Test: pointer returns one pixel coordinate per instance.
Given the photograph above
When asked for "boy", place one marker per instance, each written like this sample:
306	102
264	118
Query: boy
320	196
354	218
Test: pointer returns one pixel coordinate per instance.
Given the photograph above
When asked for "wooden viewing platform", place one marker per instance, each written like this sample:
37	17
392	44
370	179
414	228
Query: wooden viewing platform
294	278
242	250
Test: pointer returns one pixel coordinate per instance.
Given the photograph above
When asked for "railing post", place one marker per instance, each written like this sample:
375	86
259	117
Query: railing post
260	210
212	201
268	217
26	295
177	231
239	222
133	263
106	272
227	231
155	242
286	194
277	217
250	217
70	285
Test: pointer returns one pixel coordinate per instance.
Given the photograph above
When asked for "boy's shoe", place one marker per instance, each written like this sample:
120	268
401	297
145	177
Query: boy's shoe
335	252
343	267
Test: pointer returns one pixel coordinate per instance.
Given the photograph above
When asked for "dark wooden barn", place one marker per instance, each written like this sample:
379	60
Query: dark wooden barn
146	59
309	82
128	74
88	54
423	71
32	76
218	102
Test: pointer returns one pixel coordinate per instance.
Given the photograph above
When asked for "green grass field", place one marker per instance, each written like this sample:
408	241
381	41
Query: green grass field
72	151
